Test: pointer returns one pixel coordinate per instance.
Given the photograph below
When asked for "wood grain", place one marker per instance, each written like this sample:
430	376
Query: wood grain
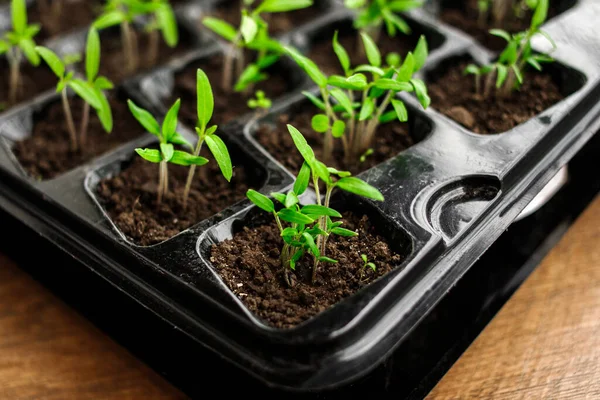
49	352
545	342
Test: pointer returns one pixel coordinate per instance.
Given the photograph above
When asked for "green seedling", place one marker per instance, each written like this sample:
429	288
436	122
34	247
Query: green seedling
261	103
507	73
363	95
252	34
205	106
373	14
90	91
160	17
308	227
499	10
168	137
17	43
366	263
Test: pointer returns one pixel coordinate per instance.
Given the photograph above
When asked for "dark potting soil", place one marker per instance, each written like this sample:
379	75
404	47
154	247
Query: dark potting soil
47	153
229	11
228	105
390	139
453	94
73	14
323	55
130	198
465	16
113	63
34	80
249	265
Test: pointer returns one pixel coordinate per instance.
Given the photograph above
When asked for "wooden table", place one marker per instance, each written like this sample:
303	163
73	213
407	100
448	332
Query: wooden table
545	343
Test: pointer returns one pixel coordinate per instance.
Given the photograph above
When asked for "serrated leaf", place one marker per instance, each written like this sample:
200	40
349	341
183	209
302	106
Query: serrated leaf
53	61
371	50
341	53
294	217
359	187
144	118
205	102
152	155
320	123
320	211
219	151
248	28
302	145
186	159
92	54
338	128
221	28
260	200
302	180
167	151
400	109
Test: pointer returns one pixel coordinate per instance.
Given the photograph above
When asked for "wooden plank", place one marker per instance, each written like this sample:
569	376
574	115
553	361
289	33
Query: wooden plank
48	351
545	342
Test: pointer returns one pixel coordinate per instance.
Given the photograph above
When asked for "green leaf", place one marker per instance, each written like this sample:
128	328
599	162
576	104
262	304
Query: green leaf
31	31
320	211
165	18
341	53
308	66
407	69
359	187
341	174
302	179
28	47
501	33
302	145
540	13
534	63
102	83
388	117
19	15
291	199
394	21
548	37
420	53
144	118
170	122
354	4
92	54
518	74
502	74
220	27
205	103
260	200
248	28
53	61
353	82
391	84
316	101
274	6
167	151
371	50
404	5
219	151
509	54
376	71
328	260
421	92
104	112
400	109
297	255
250	74
289	232
186	159
109	19
320	123
86	91
280	197
152	155
472	69
294	217
343	232
338	128
177	138
367	109
342	99
320	170
310	242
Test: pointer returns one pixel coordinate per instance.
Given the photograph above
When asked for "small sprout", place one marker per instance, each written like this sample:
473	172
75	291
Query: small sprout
252	34
260	102
17	43
91	91
124	12
366	263
375	84
366	154
507	73
205	105
308	227
372	14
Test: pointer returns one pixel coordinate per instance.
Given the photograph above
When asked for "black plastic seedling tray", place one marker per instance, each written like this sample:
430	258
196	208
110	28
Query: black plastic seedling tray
448	198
